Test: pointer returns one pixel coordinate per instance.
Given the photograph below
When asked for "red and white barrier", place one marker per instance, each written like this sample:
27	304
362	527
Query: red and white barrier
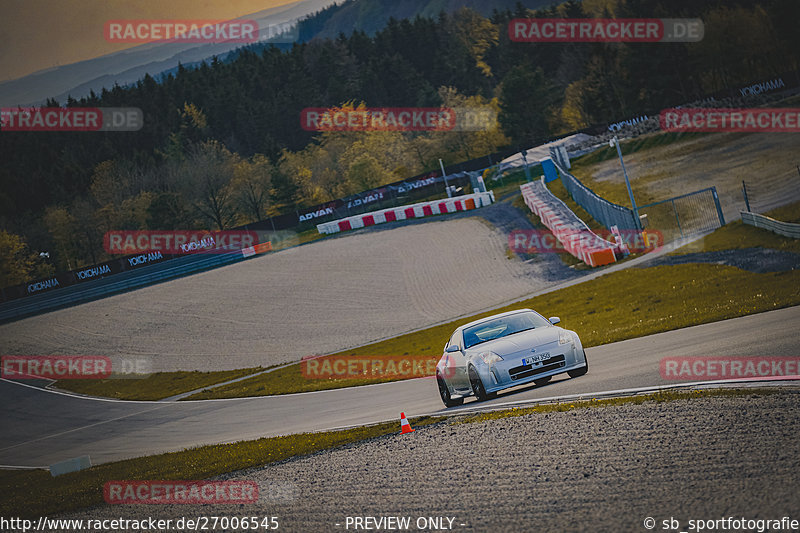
262	248
405	212
576	237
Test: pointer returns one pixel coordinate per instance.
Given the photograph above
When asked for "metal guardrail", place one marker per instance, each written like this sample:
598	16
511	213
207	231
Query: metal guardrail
606	213
99	288
787	229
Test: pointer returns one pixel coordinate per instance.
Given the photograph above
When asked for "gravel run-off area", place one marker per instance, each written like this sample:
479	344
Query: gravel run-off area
596	469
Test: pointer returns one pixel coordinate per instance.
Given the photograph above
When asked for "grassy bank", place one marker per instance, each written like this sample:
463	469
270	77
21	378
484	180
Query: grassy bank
737	236
601	311
657	397
786	213
618	306
33	493
152	387
643	142
614	307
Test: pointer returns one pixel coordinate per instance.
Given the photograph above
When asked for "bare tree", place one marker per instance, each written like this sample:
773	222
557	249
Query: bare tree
252	186
207	175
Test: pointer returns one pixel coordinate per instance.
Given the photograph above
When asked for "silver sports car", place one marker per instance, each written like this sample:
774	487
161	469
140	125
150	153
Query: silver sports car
506	350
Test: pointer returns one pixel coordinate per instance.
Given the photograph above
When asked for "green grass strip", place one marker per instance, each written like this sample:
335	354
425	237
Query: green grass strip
33	493
737	235
660	304
637	144
153	387
657	397
621	305
787	213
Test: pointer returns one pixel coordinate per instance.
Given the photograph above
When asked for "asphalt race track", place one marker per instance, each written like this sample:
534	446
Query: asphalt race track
42	427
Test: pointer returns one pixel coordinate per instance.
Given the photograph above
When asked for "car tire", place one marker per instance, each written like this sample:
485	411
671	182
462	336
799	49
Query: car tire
477	386
444	393
578	372
542	381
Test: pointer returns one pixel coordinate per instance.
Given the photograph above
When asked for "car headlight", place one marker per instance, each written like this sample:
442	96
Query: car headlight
564	337
490	357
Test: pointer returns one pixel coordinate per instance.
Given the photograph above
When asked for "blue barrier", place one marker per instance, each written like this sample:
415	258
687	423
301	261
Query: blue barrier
549	170
92	290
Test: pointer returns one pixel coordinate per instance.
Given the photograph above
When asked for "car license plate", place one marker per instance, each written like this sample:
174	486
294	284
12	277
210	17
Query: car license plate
538	358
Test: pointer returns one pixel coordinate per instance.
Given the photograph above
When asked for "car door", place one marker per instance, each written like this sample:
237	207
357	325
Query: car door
456	363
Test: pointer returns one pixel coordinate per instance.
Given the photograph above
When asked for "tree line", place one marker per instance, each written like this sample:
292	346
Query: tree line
222	143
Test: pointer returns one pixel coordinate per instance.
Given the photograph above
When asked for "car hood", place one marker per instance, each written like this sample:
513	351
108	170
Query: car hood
517	342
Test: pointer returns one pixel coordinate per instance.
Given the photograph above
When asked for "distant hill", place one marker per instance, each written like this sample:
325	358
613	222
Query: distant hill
370	16
319	19
129	66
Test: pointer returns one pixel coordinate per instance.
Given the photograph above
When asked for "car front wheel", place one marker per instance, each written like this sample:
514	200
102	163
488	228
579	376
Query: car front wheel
578	372
477	386
444	392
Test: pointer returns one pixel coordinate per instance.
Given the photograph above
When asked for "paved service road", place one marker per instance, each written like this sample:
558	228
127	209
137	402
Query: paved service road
42	427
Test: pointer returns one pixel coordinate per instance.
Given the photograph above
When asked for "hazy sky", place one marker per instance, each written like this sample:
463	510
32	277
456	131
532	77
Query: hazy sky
39	34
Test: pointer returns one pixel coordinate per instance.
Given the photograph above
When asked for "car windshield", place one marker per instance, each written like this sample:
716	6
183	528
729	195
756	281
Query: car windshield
502	327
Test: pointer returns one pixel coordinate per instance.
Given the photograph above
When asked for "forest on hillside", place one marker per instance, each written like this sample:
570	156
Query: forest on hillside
222	144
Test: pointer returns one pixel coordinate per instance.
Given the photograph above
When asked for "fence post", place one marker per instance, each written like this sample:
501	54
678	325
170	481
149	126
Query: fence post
744	192
719	209
615	142
677	218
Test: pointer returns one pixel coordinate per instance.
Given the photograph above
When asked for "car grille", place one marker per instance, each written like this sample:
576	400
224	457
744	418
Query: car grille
525	371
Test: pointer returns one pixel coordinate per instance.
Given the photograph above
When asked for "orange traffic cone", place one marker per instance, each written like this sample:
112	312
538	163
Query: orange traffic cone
404	425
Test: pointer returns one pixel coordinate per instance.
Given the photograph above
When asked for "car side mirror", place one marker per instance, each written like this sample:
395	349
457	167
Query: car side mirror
554	320
453	348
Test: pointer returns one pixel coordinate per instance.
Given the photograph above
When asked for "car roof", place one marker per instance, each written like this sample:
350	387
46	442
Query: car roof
507	313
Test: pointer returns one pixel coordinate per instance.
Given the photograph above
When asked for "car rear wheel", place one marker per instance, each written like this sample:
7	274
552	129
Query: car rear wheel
477	386
444	392
542	381
578	372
